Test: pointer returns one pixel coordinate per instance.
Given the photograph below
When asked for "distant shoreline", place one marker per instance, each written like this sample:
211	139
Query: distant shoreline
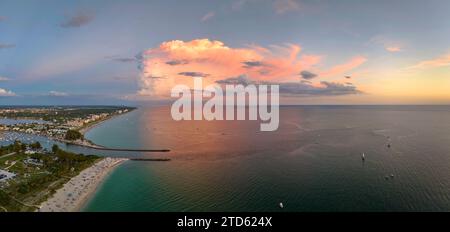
85	129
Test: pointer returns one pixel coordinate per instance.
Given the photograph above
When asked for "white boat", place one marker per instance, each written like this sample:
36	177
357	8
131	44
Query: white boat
363	157
281	205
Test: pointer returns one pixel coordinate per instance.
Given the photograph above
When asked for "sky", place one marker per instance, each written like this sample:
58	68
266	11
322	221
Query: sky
135	51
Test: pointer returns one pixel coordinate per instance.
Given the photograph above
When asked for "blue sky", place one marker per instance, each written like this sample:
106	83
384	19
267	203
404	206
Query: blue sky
55	52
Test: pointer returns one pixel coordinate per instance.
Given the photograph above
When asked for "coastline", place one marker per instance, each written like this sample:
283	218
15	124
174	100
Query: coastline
83	130
74	195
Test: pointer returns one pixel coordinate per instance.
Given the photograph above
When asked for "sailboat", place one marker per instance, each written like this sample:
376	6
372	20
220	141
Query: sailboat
363	157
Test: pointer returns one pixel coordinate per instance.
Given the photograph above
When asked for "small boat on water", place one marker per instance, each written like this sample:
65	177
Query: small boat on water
281	205
363	157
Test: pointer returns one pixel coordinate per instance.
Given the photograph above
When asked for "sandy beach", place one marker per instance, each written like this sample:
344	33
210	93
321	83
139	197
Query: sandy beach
75	193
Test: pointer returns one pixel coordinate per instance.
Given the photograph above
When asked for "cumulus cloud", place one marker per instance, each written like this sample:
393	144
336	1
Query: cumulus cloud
175	59
5	46
6	93
307	75
433	63
58	94
78	20
217	60
193	74
208	16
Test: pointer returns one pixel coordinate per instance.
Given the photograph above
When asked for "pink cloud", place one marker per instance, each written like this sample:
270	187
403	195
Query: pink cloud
343	68
167	65
433	63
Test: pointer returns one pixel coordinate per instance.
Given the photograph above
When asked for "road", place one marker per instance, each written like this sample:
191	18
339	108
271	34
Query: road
8	155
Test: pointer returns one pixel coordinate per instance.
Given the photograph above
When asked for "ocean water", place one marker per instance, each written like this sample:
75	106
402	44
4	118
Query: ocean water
311	163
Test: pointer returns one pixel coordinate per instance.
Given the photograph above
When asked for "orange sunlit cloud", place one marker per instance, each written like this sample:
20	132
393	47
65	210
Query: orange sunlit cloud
175	62
433	63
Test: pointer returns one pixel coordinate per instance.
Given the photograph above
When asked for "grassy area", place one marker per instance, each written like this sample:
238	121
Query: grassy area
35	182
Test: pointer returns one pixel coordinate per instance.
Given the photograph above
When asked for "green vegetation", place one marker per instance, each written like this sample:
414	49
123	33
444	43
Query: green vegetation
73	135
15	147
37	180
59	114
55	148
35	146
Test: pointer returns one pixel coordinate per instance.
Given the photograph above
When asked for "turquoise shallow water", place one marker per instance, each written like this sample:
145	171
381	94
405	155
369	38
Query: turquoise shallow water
312	163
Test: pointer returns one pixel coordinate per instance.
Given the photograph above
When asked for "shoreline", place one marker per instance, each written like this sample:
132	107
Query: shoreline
75	193
85	129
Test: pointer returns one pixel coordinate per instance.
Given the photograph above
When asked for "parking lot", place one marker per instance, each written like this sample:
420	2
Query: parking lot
4	175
